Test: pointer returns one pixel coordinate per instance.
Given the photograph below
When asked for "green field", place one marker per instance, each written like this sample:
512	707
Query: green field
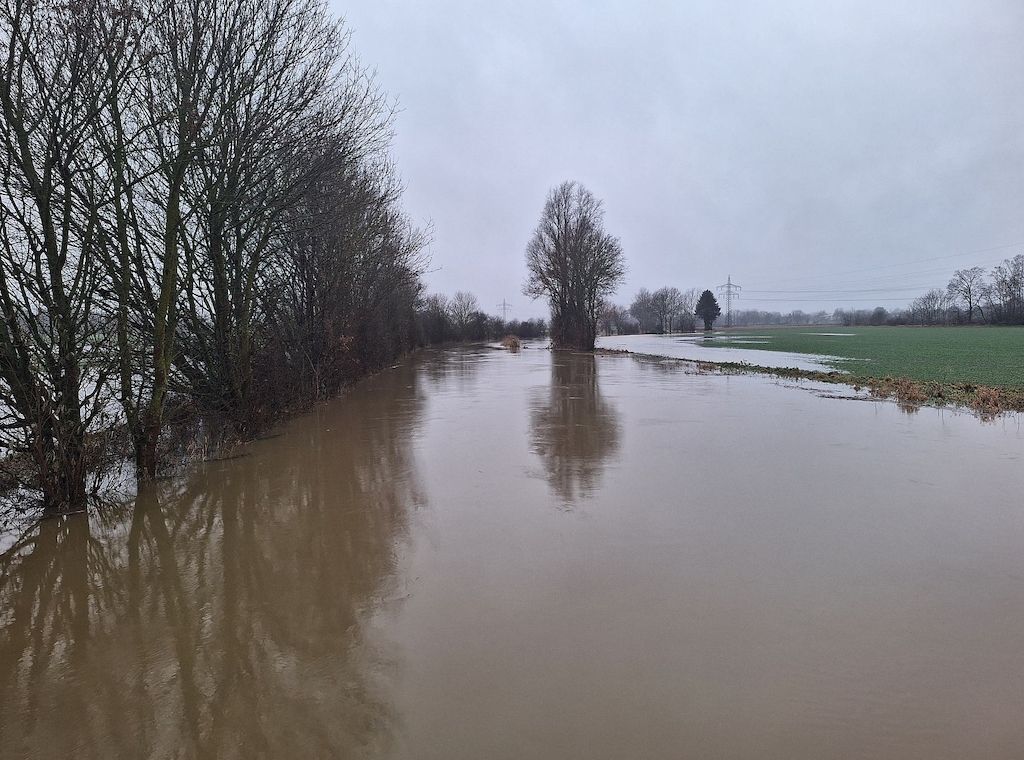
979	355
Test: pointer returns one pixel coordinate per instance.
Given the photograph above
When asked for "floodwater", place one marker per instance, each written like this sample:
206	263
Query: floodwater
740	348
478	554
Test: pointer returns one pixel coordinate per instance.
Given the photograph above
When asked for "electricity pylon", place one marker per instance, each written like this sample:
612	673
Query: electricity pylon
729	291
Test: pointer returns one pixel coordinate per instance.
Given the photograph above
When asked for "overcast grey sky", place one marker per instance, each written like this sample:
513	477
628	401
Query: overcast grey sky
798	145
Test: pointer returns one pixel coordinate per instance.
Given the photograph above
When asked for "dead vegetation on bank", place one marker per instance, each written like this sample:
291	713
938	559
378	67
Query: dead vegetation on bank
986	401
511	342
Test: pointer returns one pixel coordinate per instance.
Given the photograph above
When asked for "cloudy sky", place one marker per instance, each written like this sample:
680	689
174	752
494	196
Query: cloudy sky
822	152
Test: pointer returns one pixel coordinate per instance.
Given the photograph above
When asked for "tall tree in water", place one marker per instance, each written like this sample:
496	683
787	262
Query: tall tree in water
708	308
52	368
197	212
574	263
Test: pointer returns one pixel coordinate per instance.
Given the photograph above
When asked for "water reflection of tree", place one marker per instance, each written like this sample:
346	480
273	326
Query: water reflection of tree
573	429
225	616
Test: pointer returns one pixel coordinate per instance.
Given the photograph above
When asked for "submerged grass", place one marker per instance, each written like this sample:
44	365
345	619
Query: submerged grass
976	356
987	401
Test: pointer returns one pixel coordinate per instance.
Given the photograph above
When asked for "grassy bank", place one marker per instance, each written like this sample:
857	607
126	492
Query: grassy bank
987	401
970	356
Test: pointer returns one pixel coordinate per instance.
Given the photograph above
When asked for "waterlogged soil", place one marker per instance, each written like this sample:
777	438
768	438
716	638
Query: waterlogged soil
479	554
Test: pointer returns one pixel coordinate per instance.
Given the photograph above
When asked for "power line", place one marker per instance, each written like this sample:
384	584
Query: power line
879	278
905	263
878	283
849	292
824	300
855	290
504	308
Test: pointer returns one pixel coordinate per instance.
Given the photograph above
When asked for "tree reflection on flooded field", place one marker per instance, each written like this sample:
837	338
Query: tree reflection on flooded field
484	554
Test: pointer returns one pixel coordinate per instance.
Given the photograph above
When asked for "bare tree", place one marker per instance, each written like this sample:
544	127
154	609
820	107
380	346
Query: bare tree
687	304
665	310
350	266
163	67
931	308
287	95
434	319
643	310
119	138
574	263
52	374
968	286
668	305
196	207
1006	294
460	310
616	320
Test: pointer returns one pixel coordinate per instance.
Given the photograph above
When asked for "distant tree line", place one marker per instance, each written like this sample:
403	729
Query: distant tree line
972	296
664	310
752	317
459	318
197	211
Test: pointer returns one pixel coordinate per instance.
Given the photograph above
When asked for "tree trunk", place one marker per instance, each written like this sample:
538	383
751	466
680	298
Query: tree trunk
60	472
146	450
163	330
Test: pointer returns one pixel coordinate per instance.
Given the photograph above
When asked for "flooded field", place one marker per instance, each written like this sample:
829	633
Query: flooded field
735	348
478	554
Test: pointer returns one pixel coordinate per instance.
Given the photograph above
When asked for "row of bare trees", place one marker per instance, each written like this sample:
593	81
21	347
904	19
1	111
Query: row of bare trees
459	318
196	207
997	296
973	295
664	310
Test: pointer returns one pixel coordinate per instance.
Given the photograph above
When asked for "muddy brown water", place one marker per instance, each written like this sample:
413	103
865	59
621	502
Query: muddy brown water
478	554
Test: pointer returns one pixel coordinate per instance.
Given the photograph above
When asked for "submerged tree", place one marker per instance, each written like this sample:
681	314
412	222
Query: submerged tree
708	309
574	263
52	364
198	215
